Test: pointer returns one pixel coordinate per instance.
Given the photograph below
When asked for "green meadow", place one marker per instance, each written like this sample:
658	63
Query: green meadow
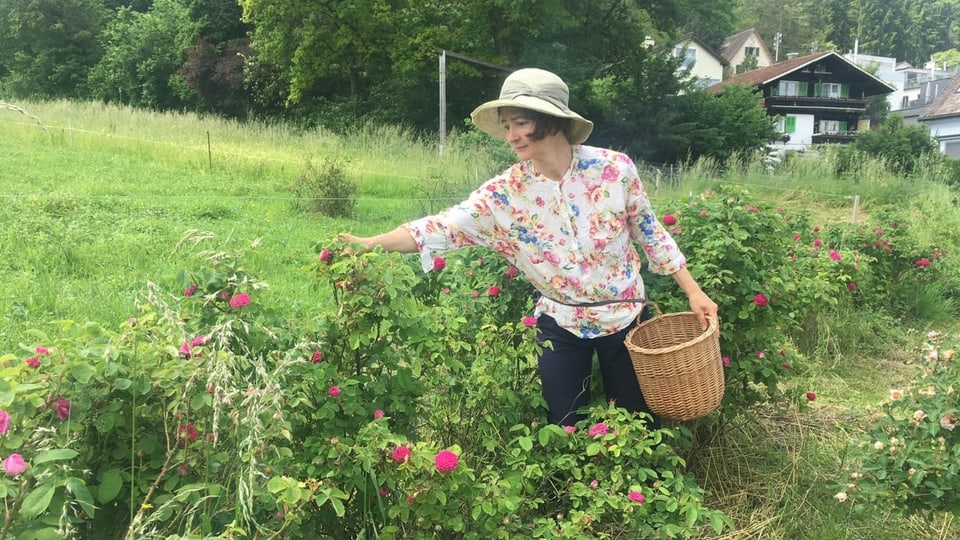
98	201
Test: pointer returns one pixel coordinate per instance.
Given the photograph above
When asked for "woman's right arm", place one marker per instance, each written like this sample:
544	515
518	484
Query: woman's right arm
399	240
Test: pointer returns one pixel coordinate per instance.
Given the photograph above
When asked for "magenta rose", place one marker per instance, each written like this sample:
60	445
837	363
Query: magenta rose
669	219
446	461
14	465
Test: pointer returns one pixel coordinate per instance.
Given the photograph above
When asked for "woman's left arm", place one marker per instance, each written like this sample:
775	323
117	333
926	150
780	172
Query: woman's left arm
700	303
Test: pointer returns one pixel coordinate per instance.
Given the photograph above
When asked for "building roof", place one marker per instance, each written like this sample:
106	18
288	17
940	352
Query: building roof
690	36
770	74
734	43
947	103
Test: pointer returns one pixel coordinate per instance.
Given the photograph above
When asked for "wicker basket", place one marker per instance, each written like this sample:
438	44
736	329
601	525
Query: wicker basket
678	365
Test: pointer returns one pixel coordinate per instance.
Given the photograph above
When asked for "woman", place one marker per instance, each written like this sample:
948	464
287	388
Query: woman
569	217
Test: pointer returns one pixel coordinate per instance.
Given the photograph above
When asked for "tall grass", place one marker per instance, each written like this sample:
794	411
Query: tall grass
96	198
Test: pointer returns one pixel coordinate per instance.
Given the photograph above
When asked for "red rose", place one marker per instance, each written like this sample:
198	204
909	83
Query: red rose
760	300
669	219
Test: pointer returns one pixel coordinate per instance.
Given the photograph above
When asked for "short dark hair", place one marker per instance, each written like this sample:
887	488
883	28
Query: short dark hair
545	124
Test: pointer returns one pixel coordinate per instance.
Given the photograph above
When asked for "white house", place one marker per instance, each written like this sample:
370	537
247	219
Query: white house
746	44
700	61
943	118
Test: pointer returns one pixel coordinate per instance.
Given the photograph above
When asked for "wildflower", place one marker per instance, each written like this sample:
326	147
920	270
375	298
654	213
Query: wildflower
852	286
33	362
919	415
948	422
14	465
42	351
569	429
62	408
493	290
190	290
512	272
726	361
922	262
669	219
446	461
400	454
760	300
334	391
911	471
378	414
896	394
597	429
439	263
703	213
796	237
841	496
326	256
878	446
637	497
317	357
811	396
4	421
239	300
187	433
835	255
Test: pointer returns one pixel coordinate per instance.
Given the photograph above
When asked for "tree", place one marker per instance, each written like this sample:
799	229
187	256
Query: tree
143	52
47	46
901	145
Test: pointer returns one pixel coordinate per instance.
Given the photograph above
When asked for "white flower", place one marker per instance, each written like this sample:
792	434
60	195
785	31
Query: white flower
933	334
841	496
878	445
919	415
896	394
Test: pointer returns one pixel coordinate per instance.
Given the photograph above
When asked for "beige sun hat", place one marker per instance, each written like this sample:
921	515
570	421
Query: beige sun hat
537	90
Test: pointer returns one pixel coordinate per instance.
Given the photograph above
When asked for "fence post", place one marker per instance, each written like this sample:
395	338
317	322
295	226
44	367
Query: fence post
856	208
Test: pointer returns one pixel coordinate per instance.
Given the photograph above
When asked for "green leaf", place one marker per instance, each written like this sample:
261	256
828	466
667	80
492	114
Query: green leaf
526	443
110	484
82	372
55	455
81	494
37	501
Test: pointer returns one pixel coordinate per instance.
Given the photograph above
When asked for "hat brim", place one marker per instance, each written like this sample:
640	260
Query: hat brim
487	117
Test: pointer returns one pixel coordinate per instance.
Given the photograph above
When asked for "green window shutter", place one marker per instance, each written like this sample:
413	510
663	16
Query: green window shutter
842	125
790	124
816	89
803	89
845	90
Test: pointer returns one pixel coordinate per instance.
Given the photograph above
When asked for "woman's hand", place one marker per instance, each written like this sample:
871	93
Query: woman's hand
703	306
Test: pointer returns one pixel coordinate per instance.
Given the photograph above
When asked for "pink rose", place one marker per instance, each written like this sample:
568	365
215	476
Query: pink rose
190	290
378	414
400	454
14	465
439	263
326	256
637	497
334	391
493	290
852	286
187	433
62	408
835	255
33	362
42	351
4	421
597	430
239	300
726	361
811	396
317	357
446	461
529	322
669	219
760	300
512	272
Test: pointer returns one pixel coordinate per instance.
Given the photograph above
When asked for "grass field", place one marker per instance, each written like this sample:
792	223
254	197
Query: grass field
96	199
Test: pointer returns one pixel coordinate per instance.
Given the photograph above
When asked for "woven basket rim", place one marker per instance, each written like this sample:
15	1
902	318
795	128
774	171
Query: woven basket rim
712	328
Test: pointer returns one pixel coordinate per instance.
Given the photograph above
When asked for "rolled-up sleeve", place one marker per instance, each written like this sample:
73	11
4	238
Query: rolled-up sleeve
460	226
663	255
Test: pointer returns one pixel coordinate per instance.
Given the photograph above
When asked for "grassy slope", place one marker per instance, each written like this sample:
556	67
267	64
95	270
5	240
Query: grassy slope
97	201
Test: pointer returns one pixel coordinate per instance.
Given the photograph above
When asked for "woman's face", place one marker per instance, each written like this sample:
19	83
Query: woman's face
518	128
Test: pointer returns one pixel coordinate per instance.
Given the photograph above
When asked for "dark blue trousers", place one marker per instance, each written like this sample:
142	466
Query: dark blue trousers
566	368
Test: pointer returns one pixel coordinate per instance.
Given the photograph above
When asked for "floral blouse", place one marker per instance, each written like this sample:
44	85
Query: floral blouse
575	240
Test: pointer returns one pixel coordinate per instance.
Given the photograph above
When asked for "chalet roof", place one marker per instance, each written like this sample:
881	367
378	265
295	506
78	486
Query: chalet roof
947	103
734	43
690	36
770	74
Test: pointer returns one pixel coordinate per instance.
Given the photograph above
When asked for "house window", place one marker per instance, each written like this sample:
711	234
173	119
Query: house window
689	56
830	90
792	88
786	124
832	126
751	51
